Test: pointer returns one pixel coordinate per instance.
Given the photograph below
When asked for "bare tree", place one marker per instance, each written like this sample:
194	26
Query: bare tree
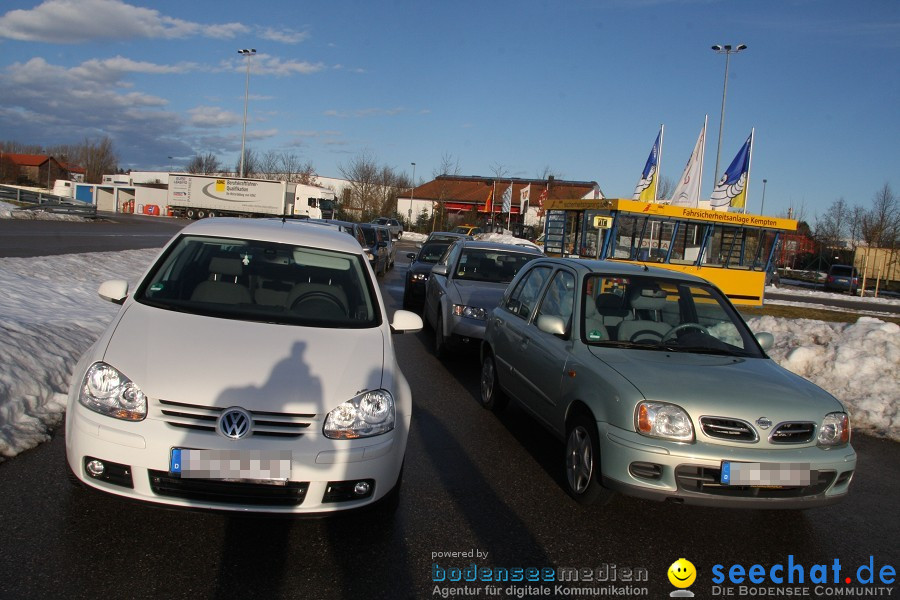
268	165
831	229
203	164
363	174
880	225
547	172
298	172
251	163
97	158
665	188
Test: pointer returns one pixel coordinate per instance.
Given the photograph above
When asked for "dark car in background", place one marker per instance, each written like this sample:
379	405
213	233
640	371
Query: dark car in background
376	242
842	278
420	266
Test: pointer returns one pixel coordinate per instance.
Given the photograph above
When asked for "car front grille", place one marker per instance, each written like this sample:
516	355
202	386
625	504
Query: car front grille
723	428
203	418
228	492
705	480
793	433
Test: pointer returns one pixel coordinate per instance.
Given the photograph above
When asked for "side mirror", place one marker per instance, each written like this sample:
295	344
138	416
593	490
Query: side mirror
406	321
765	339
114	290
439	270
411	255
552	325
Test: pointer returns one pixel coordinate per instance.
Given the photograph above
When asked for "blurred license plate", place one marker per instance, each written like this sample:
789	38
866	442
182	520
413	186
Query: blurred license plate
765	474
232	465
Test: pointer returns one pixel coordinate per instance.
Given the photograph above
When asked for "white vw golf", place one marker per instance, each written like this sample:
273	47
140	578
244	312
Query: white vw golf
252	369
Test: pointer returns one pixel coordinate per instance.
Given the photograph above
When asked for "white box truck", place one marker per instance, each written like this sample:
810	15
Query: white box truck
199	196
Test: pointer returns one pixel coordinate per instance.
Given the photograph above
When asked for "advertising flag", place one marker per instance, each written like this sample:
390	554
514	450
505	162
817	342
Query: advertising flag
687	192
646	187
524	197
507	199
489	203
731	189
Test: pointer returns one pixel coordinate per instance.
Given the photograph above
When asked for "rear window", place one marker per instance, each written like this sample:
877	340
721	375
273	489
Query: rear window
843	271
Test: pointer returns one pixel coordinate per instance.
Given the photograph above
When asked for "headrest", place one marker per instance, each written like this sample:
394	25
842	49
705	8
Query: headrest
647	298
222	265
609	300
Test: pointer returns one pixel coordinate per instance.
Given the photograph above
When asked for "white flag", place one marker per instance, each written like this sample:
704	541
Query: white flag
524	197
507	199
687	192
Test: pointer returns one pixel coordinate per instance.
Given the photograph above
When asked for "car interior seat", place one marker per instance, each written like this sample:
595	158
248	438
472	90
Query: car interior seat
222	287
645	302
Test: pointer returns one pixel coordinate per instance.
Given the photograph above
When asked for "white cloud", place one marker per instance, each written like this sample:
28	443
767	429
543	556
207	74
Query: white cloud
365	112
212	116
75	21
285	36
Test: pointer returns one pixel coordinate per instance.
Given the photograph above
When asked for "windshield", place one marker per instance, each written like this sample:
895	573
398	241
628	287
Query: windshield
262	281
658	313
496	266
431	253
369	232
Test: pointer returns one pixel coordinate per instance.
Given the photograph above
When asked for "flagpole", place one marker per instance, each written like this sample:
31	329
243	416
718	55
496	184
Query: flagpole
702	154
658	164
749	165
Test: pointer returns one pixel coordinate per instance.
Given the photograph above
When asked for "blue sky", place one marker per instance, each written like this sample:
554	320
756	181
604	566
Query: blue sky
579	87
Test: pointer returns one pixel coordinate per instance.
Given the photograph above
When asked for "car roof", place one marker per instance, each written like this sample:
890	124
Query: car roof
611	267
303	232
483	245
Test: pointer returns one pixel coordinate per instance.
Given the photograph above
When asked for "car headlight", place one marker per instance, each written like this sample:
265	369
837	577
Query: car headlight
418	277
471	312
368	414
662	420
835	429
107	391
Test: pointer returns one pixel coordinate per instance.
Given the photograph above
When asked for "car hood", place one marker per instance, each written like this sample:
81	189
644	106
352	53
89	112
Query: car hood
219	362
483	294
726	386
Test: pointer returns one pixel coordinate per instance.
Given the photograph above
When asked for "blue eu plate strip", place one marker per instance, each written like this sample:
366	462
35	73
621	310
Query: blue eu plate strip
176	460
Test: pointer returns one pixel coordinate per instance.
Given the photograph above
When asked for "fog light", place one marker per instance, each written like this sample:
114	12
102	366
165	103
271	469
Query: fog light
361	488
95	468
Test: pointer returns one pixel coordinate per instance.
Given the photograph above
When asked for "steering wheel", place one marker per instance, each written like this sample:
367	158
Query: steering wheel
679	328
328	301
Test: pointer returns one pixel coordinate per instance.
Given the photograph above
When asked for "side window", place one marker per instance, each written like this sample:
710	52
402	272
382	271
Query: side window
560	299
524	297
451	255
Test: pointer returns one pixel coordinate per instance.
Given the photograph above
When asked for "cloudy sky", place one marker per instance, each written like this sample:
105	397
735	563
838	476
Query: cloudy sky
580	87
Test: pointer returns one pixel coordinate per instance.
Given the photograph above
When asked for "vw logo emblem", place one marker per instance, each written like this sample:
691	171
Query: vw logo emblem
234	423
763	423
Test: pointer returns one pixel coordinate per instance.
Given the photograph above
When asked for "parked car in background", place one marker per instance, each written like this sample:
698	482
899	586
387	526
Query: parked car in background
216	384
436	236
395	226
842	278
419	270
353	229
391	246
471	230
376	242
463	288
659	390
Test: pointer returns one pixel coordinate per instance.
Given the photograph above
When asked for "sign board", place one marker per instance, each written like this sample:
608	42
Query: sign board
602	222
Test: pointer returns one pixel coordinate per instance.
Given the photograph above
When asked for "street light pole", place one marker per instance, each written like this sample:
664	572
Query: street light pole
247	53
763	205
412	194
727	50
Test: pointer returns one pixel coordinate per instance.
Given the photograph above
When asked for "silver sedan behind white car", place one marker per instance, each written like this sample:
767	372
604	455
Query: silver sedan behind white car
465	285
251	369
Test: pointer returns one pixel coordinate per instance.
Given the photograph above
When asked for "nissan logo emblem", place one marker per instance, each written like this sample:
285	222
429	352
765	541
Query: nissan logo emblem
763	423
234	423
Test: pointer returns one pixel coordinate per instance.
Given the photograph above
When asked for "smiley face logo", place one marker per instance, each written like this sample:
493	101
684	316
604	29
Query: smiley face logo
682	573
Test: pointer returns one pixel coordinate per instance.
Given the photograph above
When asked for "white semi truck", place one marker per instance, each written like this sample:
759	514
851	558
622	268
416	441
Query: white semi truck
199	196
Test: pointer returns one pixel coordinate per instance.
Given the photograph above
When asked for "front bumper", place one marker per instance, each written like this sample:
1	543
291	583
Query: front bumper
465	332
690	473
322	469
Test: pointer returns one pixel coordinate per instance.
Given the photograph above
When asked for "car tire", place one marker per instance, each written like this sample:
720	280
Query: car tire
201	214
492	397
211	214
440	342
582	461
191	213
